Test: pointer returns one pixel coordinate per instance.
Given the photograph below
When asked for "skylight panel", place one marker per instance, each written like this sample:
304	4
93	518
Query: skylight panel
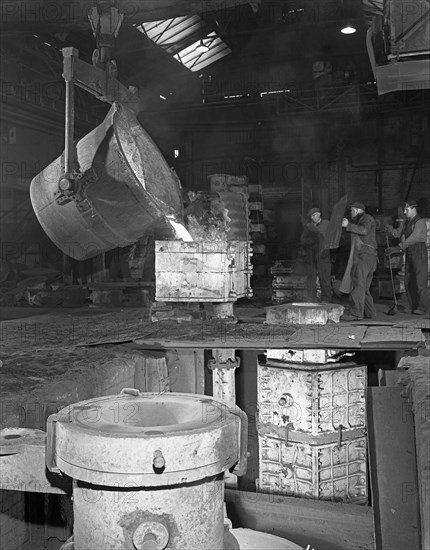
173	34
170	34
195	60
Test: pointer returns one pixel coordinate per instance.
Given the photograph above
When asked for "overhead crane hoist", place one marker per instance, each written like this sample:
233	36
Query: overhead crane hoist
113	185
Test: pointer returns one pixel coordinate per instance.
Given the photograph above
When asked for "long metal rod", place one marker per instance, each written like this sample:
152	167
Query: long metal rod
391	274
69	78
69	130
409	54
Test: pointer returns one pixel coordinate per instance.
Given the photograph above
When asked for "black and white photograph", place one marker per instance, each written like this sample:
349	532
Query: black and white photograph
214	275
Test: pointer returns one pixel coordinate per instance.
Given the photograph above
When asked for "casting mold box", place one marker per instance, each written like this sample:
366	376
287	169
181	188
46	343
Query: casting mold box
312	430
203	271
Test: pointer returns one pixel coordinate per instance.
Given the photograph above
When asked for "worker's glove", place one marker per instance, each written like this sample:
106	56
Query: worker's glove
393	250
389	228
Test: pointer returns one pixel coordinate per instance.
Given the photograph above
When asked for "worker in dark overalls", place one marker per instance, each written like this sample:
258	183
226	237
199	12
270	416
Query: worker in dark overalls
364	260
413	235
316	257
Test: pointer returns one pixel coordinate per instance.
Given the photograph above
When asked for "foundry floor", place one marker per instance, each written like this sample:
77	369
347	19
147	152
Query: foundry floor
61	354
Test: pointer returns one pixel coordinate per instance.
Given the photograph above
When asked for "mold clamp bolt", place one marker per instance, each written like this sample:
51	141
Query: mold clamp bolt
151	535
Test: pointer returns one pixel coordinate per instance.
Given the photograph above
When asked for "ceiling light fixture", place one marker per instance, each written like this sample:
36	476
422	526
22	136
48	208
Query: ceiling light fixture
201	47
347	17
348	29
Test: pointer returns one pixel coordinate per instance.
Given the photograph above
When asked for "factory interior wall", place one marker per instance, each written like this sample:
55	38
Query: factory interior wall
296	150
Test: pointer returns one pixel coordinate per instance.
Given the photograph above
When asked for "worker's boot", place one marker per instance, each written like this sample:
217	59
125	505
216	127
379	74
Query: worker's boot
349	317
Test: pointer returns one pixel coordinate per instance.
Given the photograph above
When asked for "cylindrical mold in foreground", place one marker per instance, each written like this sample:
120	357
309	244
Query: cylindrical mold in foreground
148	468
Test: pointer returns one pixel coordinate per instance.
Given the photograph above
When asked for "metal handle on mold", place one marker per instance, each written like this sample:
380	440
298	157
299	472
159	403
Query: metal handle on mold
130	391
241	466
339	436
51	441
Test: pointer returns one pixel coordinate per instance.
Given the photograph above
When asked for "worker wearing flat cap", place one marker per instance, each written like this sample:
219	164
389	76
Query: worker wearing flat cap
363	262
413	235
316	257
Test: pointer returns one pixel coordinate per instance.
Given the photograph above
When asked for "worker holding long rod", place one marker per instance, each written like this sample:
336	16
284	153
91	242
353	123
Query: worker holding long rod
413	235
